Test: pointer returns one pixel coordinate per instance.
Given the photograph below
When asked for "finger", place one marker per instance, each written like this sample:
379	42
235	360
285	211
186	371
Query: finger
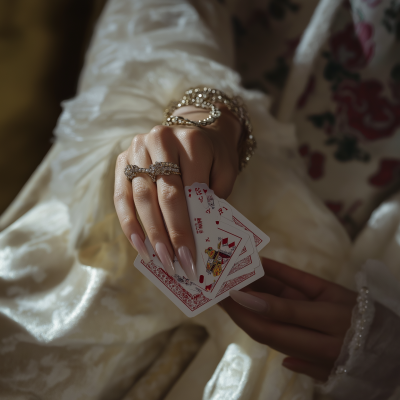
288	339
308	284
164	146
146	202
125	208
330	318
275	287
196	155
313	287
223	175
315	371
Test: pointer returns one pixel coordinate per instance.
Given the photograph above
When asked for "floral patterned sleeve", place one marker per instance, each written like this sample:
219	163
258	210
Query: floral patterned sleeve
347	117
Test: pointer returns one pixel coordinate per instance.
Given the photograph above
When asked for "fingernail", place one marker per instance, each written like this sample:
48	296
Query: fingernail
249	301
140	247
187	263
165	258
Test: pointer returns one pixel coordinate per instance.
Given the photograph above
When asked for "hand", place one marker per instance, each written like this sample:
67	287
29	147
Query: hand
296	313
205	155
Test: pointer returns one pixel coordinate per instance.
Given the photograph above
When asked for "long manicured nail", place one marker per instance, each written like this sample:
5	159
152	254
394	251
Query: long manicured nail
140	247
249	301
187	263
165	258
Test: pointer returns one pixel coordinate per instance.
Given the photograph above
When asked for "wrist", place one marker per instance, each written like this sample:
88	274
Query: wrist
226	123
197	113
231	109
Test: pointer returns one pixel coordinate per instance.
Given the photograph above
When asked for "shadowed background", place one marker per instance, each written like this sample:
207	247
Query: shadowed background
42	47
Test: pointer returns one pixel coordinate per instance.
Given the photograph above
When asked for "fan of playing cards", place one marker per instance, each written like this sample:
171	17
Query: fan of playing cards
227	246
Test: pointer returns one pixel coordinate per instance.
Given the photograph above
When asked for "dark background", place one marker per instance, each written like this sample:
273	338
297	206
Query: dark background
42	48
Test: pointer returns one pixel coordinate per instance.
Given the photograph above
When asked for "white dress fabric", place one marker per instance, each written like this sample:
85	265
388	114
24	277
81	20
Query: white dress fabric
78	321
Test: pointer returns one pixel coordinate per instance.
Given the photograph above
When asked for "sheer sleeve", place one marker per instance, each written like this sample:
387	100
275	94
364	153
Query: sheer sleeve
368	367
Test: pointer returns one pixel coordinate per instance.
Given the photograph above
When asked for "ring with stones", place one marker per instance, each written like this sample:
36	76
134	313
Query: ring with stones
159	168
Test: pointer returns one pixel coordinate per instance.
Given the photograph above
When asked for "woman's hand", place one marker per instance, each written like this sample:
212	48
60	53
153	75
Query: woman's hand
296	313
205	155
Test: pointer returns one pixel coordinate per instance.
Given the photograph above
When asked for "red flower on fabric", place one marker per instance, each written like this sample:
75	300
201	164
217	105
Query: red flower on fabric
304	150
316	162
365	32
316	165
334	206
364	111
395	89
308	91
373	3
389	170
353	46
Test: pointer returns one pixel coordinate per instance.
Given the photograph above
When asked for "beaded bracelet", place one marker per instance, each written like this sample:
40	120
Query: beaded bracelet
206	98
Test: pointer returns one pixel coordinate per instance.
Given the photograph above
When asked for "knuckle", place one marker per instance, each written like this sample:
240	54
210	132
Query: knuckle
127	221
142	192
160	130
137	143
178	235
121	159
152	231
159	135
119	196
169	195
289	311
194	137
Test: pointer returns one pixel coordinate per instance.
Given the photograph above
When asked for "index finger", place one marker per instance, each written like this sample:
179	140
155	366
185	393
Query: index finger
292	340
329	318
309	284
164	146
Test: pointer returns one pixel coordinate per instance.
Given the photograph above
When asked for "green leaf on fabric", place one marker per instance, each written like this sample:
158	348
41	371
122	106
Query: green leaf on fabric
278	8
347	149
391	19
279	74
395	73
321	120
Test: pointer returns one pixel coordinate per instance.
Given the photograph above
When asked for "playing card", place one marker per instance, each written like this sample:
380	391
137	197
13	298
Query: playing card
218	248
191	304
202	216
245	263
200	195
229	212
227	246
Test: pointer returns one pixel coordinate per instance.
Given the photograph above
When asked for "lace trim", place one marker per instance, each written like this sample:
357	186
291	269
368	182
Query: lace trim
361	321
363	315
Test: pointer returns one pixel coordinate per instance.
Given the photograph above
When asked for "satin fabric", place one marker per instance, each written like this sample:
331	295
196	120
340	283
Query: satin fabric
78	320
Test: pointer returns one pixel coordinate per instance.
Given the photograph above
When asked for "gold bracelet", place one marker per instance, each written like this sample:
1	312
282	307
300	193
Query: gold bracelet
206	98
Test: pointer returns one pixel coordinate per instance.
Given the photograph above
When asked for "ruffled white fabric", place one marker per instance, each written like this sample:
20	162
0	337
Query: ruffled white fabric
78	320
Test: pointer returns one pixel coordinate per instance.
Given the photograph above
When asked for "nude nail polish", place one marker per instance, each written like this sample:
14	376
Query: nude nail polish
165	258
249	301
187	263
139	245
